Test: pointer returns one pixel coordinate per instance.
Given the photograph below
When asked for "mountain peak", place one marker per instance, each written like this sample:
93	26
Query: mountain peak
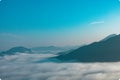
19	49
108	37
14	50
103	51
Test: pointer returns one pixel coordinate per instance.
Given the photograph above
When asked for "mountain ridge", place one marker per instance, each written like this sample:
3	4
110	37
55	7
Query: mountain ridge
14	50
103	51
109	36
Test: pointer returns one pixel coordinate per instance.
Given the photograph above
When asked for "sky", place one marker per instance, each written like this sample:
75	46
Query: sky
33	23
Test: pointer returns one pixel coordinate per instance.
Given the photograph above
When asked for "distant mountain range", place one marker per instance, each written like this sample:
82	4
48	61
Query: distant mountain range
106	50
51	49
47	48
41	50
15	50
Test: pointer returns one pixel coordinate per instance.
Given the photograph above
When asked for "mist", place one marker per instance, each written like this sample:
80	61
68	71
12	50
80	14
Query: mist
24	66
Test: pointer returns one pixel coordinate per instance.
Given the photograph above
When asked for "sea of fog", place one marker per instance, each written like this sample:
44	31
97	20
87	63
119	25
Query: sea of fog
24	66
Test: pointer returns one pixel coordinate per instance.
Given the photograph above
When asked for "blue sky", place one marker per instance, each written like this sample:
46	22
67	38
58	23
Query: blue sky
57	22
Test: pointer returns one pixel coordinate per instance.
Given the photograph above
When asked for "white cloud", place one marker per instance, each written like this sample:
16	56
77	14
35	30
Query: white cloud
97	22
22	67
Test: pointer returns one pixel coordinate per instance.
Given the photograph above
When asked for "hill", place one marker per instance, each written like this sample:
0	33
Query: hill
103	51
15	50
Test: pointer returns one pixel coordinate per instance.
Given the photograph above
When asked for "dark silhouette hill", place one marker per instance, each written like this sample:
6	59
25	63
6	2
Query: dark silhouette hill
104	51
15	50
109	36
52	49
47	48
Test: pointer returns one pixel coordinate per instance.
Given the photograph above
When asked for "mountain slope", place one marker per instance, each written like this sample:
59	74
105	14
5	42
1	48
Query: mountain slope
103	51
108	37
52	49
16	50
47	48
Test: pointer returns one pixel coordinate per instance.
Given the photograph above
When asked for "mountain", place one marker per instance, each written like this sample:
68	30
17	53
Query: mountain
104	51
47	48
110	36
50	49
16	50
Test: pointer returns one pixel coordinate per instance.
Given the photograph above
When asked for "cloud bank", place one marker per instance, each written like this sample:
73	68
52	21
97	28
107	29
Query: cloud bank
24	67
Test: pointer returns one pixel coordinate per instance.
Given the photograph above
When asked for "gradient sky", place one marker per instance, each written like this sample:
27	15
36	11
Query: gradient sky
57	22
